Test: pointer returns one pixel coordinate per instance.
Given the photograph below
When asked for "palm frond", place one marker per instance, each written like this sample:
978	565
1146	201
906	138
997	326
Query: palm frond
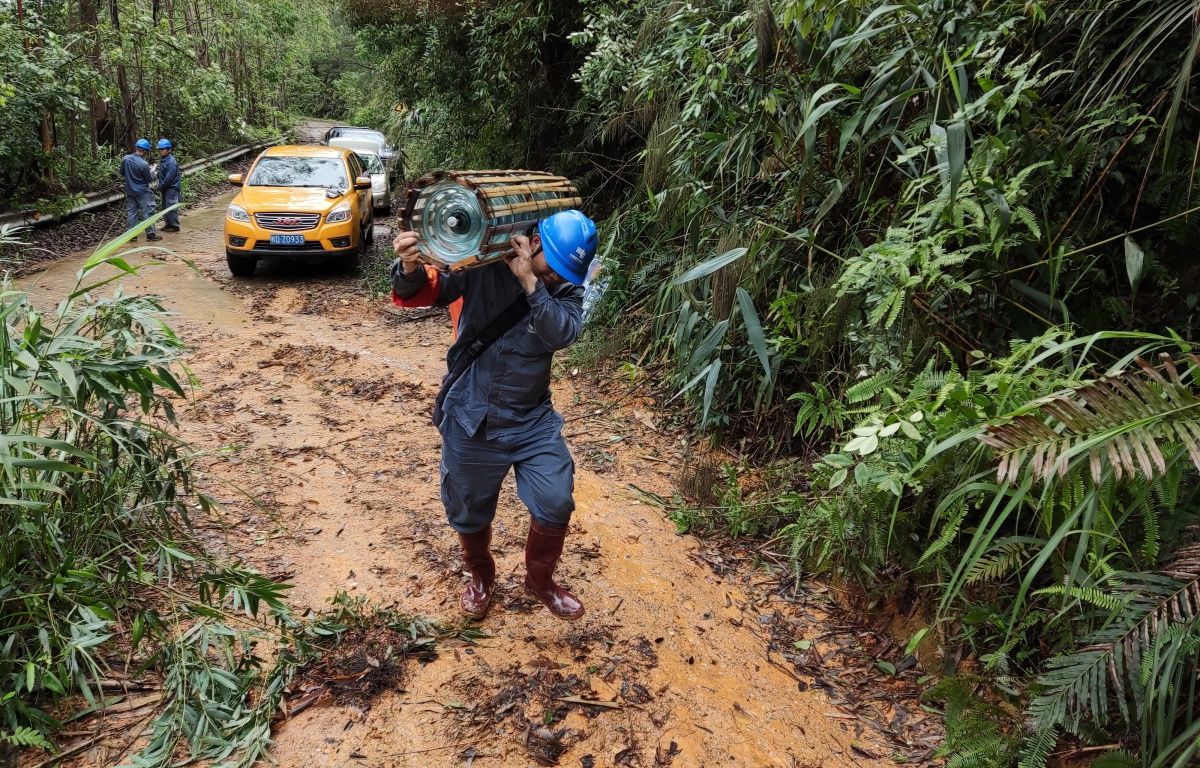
1127	420
1144	659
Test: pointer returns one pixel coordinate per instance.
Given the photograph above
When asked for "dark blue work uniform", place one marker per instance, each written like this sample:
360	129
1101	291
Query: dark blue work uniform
139	200
499	415
170	183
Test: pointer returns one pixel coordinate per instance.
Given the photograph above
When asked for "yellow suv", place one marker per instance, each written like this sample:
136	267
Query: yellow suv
300	201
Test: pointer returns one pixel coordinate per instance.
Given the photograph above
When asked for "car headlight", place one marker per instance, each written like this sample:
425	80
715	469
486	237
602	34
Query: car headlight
341	213
237	213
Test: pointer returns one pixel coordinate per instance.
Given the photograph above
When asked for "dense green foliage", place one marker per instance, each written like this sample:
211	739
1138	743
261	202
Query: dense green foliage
81	81
101	575
928	239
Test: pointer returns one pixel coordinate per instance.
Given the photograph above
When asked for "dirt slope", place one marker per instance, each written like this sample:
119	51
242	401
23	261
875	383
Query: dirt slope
315	397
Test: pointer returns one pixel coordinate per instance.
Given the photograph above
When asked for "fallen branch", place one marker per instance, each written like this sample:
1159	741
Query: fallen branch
589	702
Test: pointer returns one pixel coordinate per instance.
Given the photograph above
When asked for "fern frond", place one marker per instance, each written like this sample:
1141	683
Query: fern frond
1090	595
1124	656
975	736
1116	759
1037	748
24	736
1008	555
1150	526
1124	420
870	387
954	522
1026	217
980	751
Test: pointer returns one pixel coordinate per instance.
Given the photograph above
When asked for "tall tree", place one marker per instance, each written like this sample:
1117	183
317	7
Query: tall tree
99	123
128	125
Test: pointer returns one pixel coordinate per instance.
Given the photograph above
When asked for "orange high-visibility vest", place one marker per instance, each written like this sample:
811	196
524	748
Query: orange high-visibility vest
428	296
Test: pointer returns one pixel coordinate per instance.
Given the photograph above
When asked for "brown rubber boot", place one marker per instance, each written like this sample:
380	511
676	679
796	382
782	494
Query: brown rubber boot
478	595
542	552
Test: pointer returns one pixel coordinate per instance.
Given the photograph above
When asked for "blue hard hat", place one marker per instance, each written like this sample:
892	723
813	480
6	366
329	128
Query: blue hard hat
142	144
569	242
164	143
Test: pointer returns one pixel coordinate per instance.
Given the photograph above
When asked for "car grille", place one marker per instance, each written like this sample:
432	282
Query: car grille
288	222
310	246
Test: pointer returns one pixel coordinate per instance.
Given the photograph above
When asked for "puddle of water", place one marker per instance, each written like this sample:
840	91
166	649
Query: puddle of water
186	292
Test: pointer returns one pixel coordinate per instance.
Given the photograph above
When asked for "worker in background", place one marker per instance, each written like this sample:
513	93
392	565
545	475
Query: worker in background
139	200
495	413
170	184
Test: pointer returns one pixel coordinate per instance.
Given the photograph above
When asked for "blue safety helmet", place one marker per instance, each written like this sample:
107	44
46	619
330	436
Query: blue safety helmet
569	242
142	144
164	143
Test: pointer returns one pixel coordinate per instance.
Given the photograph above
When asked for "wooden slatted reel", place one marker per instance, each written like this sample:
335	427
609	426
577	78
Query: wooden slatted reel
466	219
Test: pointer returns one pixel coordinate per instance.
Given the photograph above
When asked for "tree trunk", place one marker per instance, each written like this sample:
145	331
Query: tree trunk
203	52
72	119
47	139
128	126
47	148
100	125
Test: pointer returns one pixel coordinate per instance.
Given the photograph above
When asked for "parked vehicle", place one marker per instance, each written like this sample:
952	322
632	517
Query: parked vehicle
300	202
381	186
386	151
368	144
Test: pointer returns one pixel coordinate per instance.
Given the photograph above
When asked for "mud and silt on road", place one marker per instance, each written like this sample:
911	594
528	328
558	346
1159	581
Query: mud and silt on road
312	419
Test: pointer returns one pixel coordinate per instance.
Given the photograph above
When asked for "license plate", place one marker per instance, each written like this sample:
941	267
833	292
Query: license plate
287	239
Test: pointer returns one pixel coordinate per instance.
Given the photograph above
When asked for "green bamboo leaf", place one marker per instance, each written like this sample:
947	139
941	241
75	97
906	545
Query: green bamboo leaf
848	130
1181	83
48	465
67	373
754	330
712	265
709	388
1002	209
1135	262
830	200
814	116
956	155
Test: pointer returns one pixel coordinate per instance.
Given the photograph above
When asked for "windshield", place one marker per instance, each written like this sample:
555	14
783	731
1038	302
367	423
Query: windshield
371	163
299	172
375	136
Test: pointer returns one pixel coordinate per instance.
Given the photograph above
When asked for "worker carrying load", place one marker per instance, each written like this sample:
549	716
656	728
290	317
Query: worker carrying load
494	410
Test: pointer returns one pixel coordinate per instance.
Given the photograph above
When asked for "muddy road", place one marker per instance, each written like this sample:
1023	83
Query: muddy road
314	398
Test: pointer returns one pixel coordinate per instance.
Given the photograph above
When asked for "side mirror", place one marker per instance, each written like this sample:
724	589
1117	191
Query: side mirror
362	182
236	179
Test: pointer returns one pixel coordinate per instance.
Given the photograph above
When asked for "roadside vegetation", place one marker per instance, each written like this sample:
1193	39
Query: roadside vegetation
932	261
104	584
939	256
81	81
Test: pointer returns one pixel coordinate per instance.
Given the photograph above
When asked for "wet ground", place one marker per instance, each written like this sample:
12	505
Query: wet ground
313	419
